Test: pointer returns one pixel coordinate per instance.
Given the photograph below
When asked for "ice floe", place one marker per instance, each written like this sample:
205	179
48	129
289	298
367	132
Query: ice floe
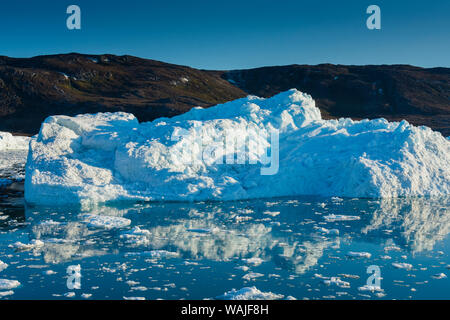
332	232
8	142
359	254
6	293
252	275
110	156
8	284
107	222
13	156
249	293
34	244
255	261
3	266
439	276
134	298
136	237
370	288
402	265
340	217
337	281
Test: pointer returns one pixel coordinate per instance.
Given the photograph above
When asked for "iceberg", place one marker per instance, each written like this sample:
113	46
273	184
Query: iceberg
13	155
95	158
8	142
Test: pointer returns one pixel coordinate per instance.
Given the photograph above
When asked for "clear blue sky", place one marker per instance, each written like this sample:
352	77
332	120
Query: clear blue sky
232	34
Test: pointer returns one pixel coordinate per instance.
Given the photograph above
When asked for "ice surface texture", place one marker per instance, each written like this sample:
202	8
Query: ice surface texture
8	142
111	156
13	154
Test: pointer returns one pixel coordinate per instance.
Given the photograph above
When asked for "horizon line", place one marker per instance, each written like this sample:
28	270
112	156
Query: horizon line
184	65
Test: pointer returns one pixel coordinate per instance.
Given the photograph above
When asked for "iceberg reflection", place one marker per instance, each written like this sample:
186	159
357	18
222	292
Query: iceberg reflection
291	234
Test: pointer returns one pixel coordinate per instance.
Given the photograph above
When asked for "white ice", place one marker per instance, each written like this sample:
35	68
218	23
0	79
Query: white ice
8	284
3	266
8	142
249	293
359	254
105	222
111	156
13	155
402	265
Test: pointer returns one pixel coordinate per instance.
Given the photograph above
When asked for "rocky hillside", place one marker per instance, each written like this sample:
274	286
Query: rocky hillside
32	89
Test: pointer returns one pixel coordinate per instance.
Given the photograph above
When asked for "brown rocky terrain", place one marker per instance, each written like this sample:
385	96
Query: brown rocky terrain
32	89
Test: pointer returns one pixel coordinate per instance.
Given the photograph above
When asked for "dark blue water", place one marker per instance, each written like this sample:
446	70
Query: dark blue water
200	251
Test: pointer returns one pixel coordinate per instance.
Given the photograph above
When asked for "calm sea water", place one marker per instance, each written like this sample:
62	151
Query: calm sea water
288	247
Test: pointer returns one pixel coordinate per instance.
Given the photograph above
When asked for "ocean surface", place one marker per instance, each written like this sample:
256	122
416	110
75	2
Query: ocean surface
302	248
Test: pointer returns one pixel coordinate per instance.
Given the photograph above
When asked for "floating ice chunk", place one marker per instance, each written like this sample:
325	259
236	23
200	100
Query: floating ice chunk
340	217
136	237
6	293
8	142
402	265
112	157
359	254
13	156
8	284
34	244
334	232
272	213
392	248
252	275
3	265
349	276
249	293
69	294
106	222
86	295
139	288
243	268
49	272
134	298
255	261
370	288
439	276
337	281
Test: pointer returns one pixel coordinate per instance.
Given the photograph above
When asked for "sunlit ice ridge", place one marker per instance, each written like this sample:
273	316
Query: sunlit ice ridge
98	158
